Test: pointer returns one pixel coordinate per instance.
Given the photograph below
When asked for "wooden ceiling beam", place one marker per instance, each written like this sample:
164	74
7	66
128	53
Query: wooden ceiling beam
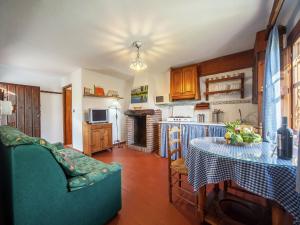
277	5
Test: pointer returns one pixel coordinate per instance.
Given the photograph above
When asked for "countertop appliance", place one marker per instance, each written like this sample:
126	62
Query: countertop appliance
179	119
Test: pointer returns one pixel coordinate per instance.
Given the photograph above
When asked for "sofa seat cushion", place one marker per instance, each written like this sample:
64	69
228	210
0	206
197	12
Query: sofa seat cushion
96	171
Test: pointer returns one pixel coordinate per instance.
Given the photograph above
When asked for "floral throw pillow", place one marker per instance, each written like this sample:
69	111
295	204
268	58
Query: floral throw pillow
68	165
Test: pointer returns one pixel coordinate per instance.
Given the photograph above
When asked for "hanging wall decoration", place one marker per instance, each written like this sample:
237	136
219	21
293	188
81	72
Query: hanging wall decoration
139	94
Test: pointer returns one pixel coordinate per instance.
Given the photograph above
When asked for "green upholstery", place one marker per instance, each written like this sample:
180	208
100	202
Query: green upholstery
36	190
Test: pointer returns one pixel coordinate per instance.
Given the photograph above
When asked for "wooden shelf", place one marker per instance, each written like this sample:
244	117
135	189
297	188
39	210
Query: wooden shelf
237	77
240	77
222	91
96	96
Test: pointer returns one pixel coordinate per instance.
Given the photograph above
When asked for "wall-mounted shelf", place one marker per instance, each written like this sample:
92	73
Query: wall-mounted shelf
240	77
96	96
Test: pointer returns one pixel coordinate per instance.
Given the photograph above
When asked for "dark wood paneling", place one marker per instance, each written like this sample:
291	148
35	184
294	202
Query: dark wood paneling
26	100
227	63
12	119
277	5
4	118
36	112
294	34
20	107
28	111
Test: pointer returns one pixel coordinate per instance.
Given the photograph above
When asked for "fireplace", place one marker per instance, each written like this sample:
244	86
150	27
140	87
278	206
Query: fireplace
140	133
142	129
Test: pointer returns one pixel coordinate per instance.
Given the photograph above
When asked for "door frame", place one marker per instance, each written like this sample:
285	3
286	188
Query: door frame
64	110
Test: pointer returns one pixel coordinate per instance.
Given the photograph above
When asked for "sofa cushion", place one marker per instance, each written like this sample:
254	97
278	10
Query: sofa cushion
72	154
69	166
11	136
97	171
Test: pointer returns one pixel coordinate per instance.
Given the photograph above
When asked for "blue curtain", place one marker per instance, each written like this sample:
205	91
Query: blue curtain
216	131
188	132
271	115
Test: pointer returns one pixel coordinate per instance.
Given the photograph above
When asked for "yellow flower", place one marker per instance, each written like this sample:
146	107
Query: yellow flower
228	135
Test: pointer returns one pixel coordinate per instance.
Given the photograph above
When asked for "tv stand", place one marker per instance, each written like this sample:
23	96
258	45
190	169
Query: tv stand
96	137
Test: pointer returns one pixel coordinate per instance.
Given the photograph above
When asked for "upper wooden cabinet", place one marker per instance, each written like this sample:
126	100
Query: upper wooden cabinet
184	83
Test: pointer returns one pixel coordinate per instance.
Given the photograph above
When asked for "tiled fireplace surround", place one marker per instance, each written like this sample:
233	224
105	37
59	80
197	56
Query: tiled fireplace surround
151	118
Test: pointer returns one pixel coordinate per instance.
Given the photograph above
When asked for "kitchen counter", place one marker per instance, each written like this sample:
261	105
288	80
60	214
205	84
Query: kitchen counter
193	123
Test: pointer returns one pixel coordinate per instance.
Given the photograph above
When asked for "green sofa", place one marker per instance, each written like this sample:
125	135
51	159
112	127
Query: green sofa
35	191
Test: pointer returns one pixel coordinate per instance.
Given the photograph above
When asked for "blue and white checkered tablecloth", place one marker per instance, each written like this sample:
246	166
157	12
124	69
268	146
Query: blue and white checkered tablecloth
255	168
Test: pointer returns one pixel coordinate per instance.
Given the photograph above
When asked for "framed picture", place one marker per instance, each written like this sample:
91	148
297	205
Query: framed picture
139	94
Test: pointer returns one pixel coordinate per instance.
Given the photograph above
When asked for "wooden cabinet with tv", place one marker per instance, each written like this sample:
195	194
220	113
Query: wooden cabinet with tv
96	137
184	83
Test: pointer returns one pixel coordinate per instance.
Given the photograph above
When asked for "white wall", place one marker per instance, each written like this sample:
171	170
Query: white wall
75	79
51	104
159	84
91	78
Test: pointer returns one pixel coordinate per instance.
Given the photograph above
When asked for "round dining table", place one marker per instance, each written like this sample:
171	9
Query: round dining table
255	167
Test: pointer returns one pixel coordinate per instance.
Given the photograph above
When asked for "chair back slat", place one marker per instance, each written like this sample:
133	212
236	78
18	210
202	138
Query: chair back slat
174	142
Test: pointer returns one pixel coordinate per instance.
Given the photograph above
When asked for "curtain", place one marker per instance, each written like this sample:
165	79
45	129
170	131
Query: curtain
271	108
216	131
188	133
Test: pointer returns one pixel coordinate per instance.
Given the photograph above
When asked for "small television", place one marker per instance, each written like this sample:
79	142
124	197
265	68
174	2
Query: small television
98	116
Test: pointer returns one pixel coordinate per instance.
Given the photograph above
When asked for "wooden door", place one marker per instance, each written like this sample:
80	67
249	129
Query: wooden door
176	82
189	80
36	112
20	92
28	111
68	116
96	140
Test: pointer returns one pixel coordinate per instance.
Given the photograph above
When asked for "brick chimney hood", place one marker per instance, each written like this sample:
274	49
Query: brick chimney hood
141	112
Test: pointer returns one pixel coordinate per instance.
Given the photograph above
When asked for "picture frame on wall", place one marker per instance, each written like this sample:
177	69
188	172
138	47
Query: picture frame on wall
139	94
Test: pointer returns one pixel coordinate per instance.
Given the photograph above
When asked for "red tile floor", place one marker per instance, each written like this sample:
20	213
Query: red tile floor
145	191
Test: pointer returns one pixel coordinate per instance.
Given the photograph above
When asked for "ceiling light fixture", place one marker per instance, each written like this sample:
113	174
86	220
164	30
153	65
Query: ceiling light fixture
138	63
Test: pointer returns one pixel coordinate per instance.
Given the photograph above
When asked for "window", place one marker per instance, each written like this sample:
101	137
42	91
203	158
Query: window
296	85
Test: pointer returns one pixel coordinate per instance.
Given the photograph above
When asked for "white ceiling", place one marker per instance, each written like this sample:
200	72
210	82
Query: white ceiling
63	35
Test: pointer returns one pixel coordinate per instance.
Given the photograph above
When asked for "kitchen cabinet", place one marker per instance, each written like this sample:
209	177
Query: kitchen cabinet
184	83
96	137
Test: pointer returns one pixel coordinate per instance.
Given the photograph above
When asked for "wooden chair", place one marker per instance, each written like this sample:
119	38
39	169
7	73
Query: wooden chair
177	168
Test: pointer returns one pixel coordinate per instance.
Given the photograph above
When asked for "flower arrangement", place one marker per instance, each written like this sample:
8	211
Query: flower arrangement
237	134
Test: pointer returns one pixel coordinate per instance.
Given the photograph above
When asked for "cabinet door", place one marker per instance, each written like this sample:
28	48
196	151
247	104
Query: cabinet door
189	80
106	138
96	140
176	82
